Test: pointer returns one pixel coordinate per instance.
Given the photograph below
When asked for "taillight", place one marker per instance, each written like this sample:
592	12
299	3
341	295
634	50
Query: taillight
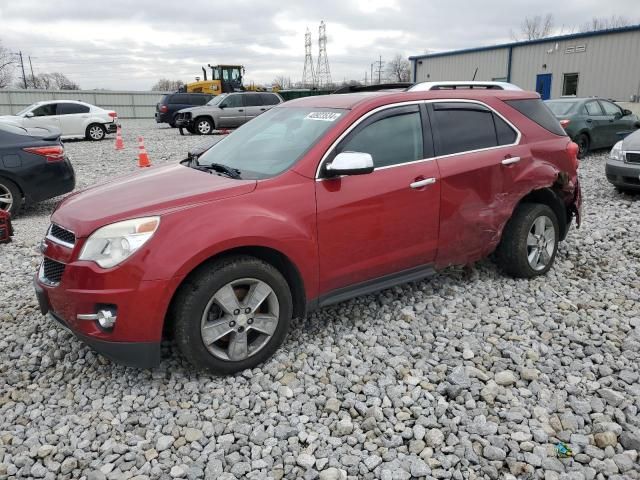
164	108
572	151
52	154
113	115
565	123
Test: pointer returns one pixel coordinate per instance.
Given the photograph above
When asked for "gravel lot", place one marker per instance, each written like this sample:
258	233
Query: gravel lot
468	375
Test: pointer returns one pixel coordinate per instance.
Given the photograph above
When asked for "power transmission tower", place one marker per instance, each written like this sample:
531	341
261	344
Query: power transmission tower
308	75
323	73
379	65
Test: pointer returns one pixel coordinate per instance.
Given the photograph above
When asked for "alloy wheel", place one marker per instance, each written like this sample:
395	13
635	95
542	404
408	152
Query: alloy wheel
6	199
204	128
96	132
541	242
240	319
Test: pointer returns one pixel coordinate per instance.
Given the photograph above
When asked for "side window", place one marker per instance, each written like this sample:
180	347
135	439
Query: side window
395	138
593	109
610	108
269	99
45	110
233	101
506	135
71	108
199	99
252	100
179	99
460	128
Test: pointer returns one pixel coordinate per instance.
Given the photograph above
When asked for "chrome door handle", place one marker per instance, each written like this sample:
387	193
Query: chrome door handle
423	183
510	160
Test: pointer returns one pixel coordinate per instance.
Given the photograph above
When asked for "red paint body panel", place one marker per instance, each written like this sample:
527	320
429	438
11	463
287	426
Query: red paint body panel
336	232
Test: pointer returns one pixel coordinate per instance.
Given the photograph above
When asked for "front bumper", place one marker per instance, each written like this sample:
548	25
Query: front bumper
111	127
623	174
184	122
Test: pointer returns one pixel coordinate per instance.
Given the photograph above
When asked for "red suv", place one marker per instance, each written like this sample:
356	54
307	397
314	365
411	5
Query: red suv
313	202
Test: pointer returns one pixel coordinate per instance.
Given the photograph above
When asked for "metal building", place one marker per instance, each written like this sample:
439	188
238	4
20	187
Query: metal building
605	63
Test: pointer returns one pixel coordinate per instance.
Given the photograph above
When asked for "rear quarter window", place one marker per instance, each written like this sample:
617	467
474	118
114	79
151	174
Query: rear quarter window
199	99
535	109
179	98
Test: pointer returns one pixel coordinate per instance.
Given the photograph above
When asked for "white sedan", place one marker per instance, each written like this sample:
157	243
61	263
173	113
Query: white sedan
74	119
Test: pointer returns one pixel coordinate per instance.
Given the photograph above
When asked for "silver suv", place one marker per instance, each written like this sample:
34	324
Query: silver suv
228	110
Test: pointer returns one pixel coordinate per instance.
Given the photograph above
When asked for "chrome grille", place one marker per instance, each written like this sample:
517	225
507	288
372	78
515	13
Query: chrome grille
52	271
633	157
61	235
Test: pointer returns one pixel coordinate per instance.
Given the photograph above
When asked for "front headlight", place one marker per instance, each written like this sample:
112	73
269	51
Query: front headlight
616	152
113	244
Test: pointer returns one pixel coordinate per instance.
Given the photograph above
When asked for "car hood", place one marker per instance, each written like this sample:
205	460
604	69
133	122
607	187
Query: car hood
632	142
155	191
14	119
198	109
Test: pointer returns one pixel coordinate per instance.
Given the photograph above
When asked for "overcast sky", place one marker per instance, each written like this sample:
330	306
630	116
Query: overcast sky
120	44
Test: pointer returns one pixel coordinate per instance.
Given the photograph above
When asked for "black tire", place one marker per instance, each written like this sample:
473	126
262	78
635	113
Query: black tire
191	130
95	132
194	296
203	126
10	189
512	252
584	144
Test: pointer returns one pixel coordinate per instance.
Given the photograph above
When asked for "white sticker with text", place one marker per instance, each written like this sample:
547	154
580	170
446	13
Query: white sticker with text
323	116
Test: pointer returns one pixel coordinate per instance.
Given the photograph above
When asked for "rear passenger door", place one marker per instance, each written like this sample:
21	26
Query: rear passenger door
597	122
254	105
72	118
233	111
480	164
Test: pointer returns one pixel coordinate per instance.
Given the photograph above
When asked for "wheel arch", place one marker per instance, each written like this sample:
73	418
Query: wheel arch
548	196
206	116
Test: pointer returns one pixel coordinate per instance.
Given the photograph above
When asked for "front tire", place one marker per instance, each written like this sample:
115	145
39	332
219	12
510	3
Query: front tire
203	126
95	132
10	196
529	241
232	314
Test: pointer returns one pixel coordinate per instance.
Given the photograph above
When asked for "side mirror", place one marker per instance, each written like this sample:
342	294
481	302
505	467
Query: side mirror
222	106
28	114
350	163
626	112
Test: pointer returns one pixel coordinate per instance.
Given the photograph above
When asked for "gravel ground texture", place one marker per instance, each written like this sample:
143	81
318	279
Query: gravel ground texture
468	375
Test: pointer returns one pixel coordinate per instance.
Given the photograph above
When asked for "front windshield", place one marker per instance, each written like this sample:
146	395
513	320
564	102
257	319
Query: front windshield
560	108
216	100
272	142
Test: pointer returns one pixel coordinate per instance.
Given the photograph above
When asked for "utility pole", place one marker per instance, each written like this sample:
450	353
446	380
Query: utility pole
33	77
371	77
24	76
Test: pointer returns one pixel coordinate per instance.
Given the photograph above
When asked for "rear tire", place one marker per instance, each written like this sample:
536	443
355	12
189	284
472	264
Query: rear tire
583	144
10	196
529	241
203	126
232	314
95	132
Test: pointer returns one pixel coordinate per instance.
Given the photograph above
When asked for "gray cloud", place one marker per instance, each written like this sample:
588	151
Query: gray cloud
125	44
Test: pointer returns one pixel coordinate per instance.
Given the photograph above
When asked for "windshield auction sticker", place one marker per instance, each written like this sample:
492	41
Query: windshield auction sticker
323	116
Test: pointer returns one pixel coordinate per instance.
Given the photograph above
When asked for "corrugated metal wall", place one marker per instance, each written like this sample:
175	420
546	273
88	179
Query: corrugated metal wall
491	64
608	67
126	104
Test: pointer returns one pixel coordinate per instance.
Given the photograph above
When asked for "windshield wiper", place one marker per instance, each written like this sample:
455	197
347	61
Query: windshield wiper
220	168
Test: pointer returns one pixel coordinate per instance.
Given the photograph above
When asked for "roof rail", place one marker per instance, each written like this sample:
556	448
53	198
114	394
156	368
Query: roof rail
454	85
374	88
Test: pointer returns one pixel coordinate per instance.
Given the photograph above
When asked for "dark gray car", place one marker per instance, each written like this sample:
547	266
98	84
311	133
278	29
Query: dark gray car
228	110
623	164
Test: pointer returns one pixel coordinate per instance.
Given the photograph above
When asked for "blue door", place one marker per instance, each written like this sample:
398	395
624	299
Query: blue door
543	85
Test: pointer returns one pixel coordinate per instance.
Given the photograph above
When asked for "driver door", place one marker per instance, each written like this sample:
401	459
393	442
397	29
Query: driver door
233	111
384	222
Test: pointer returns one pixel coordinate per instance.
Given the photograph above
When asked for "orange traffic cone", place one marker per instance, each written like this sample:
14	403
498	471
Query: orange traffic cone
119	141
143	158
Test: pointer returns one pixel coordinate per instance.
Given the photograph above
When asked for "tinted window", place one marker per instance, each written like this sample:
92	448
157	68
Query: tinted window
461	129
561	107
233	101
45	110
70	108
199	99
269	99
592	108
179	98
506	135
253	100
390	140
610	108
536	110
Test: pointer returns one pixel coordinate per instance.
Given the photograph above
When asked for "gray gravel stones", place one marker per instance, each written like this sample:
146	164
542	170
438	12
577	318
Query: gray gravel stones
470	375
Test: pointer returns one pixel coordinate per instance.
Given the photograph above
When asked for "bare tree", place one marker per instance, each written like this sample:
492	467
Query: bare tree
7	61
399	69
50	81
535	27
282	82
605	23
166	85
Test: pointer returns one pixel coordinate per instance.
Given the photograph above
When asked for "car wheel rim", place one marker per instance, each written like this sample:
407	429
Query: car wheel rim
95	133
204	127
240	319
6	199
541	242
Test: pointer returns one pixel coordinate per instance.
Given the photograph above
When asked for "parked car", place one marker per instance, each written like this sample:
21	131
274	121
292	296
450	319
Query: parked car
623	165
229	110
73	119
313	202
593	122
171	103
33	166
